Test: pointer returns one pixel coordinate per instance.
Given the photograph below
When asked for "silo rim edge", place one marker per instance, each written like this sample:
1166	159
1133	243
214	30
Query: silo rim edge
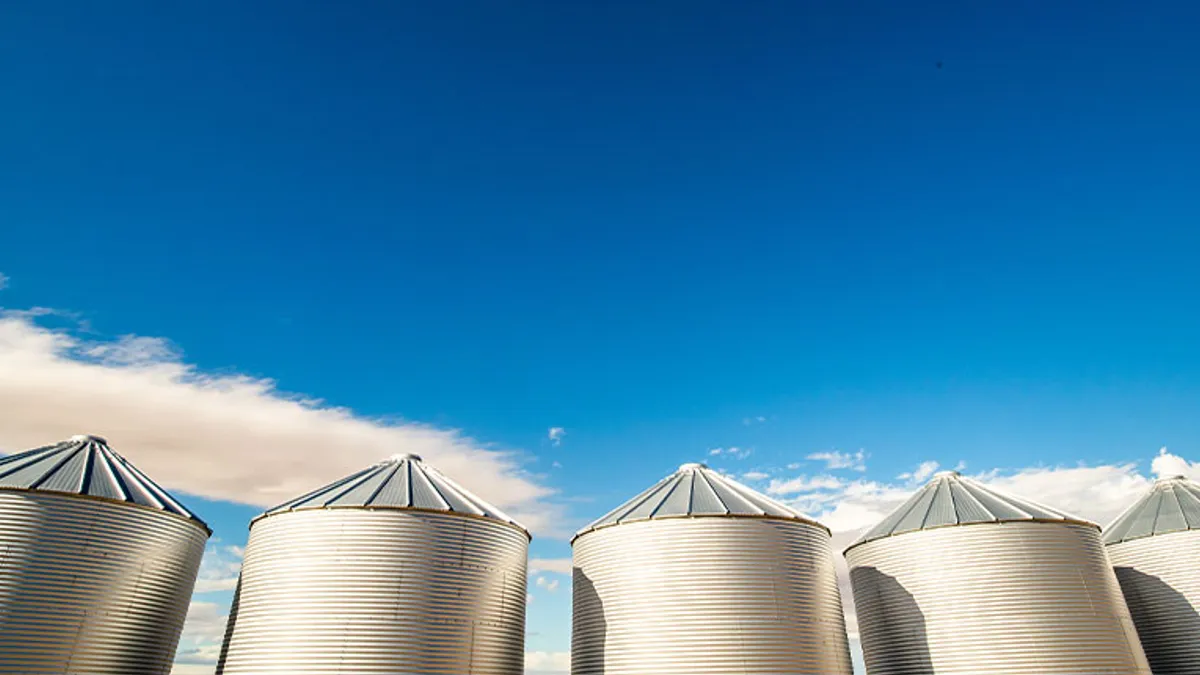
119	502
700	516
409	509
1008	521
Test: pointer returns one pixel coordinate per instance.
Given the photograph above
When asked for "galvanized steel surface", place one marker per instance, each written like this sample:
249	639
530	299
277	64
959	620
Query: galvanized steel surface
404	481
1172	505
707	595
1014	598
92	587
953	499
695	490
1160	576
357	590
85	465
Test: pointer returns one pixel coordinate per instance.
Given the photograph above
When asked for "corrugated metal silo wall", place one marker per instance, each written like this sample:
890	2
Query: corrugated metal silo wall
379	591
92	587
992	599
1160	576
711	595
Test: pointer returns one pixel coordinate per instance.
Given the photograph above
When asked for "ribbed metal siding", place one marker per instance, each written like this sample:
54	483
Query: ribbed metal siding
379	591
1160	576
92	587
993	599
707	595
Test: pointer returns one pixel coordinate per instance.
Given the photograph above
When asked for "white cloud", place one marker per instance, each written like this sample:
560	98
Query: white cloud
555	565
920	474
219	568
551	585
755	475
801	484
751	421
555	434
3	281
203	632
835	459
223	436
733	452
1166	465
547	662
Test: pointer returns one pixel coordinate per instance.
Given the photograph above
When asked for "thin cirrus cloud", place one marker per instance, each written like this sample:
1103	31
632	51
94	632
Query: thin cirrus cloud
836	459
226	437
555	435
731	452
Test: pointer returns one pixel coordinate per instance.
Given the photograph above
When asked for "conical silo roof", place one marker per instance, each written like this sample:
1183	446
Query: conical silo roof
1172	505
693	491
953	499
85	465
401	482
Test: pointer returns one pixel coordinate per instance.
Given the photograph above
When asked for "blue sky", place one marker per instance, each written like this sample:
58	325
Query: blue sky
649	224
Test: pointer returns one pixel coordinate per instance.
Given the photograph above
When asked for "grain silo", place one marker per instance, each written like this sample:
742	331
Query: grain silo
701	575
97	563
1155	549
394	569
966	580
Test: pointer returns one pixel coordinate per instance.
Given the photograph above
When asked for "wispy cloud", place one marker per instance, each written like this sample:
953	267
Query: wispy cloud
755	475
751	421
922	473
836	459
555	434
732	452
544	663
551	585
219	568
3	281
556	565
223	436
801	484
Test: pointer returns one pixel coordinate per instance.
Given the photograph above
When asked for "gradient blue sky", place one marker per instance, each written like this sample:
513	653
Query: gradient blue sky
647	223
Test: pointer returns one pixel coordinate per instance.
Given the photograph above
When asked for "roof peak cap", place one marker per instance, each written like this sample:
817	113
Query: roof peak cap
89	438
692	466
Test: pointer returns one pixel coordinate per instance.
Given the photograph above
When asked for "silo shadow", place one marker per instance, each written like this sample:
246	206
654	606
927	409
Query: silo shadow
589	628
1167	623
230	624
891	625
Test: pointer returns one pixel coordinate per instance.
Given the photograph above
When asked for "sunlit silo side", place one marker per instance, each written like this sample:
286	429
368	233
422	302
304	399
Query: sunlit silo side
965	580
1155	549
97	564
394	569
700	575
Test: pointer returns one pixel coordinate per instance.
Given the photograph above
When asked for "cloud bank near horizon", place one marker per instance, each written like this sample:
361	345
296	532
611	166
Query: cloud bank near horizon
227	437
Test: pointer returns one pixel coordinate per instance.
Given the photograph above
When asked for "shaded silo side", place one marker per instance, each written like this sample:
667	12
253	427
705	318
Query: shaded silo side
1155	550
394	569
97	564
963	579
702	575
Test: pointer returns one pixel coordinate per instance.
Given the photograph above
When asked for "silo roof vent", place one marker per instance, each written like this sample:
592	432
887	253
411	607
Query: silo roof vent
953	499
85	465
696	490
403	481
1172	505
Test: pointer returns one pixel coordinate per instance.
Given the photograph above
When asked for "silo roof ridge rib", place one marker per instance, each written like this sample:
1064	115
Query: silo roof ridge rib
951	499
1170	505
403	481
695	490
85	465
